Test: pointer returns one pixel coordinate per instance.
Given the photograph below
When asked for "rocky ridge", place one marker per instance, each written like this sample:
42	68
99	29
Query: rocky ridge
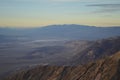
104	69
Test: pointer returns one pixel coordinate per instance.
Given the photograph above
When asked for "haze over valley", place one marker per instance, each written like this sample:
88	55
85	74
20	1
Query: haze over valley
59	39
67	45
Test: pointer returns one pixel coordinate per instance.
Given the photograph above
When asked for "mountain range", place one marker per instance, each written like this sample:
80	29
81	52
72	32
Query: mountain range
60	52
62	32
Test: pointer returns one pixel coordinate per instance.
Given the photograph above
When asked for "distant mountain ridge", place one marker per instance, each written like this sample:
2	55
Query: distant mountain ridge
68	32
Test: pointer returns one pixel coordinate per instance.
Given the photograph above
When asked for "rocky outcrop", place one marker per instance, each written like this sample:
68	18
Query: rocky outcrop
104	69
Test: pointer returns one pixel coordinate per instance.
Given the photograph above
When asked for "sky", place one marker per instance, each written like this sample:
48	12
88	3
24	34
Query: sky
34	13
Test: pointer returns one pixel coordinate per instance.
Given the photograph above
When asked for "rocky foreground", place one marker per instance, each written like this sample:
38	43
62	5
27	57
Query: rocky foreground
104	69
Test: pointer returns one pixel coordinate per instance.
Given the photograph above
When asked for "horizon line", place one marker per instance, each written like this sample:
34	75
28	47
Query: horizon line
54	25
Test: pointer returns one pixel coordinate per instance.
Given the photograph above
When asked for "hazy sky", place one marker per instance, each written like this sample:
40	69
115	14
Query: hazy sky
28	13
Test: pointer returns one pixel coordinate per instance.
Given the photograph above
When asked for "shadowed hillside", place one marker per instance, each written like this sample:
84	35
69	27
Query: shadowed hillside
104	69
98	49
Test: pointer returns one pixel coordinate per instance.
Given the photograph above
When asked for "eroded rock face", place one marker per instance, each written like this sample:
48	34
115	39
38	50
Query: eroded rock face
104	69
